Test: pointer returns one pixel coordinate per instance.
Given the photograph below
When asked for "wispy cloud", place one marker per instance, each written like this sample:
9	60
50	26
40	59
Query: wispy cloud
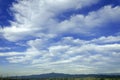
37	27
37	18
75	52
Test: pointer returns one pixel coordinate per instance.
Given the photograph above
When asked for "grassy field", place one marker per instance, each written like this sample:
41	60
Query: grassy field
88	78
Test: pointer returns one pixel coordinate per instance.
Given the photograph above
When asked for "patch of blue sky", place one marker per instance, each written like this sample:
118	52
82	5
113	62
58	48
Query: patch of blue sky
5	12
85	10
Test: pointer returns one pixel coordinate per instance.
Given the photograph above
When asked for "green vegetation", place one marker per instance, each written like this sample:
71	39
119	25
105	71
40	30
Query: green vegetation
88	78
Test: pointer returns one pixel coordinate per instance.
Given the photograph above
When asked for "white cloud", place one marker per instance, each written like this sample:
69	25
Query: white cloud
109	39
85	24
10	53
16	59
43	22
77	53
37	19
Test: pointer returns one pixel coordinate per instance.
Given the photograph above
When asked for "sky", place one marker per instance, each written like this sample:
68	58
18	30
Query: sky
62	36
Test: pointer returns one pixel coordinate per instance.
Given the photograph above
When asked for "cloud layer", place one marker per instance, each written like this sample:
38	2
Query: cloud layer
36	22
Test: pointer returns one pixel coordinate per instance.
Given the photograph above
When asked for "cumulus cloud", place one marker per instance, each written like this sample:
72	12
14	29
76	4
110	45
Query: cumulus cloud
39	17
96	19
77	53
37	24
85	54
43	20
109	39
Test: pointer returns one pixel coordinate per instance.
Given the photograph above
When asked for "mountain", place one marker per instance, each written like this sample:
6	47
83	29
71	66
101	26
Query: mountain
62	75
48	75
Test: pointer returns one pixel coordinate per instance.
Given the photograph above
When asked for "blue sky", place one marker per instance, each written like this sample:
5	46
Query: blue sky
64	36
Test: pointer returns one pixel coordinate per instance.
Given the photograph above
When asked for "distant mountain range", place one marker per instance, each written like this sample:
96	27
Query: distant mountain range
62	75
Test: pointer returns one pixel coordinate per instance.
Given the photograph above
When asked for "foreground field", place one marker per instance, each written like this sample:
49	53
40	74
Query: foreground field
88	78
